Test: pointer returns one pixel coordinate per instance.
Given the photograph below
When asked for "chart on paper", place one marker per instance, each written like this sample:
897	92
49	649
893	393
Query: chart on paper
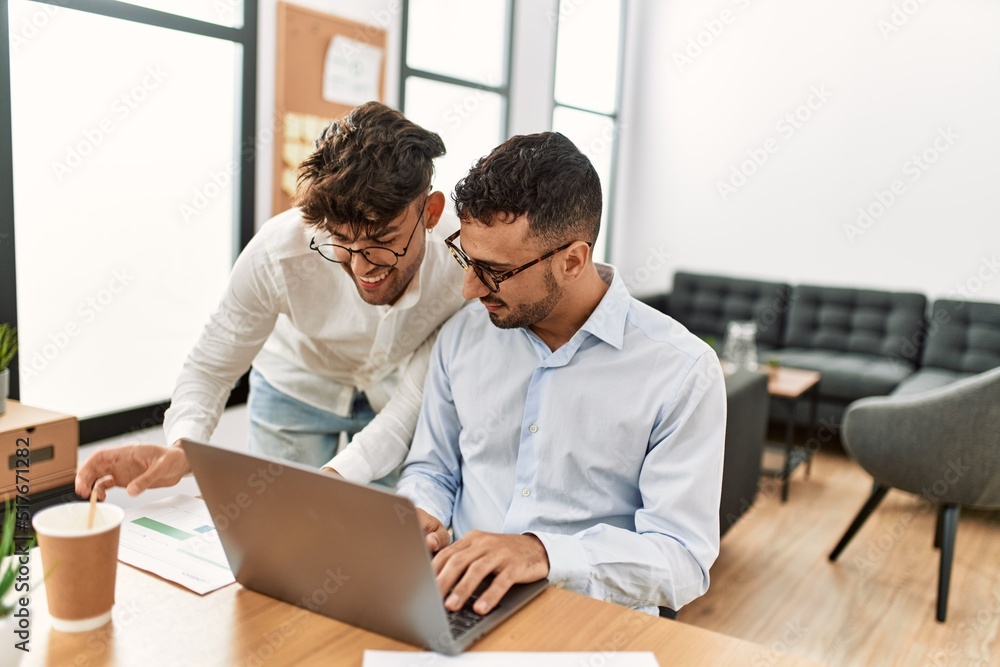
175	539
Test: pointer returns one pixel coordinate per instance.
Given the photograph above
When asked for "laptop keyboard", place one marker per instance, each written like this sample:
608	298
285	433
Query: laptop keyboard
465	619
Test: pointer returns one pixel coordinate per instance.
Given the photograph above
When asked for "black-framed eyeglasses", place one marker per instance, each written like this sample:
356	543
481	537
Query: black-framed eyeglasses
375	255
488	276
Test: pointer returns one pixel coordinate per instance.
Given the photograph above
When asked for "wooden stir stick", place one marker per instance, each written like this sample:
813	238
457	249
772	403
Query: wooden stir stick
93	498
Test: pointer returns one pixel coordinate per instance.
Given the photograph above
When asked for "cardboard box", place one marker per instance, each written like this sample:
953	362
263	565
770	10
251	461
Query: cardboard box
51	440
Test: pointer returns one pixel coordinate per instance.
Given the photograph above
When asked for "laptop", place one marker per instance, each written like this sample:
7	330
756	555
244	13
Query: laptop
350	552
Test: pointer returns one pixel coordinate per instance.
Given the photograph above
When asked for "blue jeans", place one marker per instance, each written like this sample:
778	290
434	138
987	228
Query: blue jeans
285	428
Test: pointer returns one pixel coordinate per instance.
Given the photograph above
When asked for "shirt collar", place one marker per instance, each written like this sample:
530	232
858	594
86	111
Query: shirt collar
607	322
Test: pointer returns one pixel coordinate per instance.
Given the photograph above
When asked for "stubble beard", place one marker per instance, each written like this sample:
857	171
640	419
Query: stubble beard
526	314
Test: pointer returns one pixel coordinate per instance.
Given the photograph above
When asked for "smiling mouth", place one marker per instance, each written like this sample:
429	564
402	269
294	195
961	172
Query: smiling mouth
370	282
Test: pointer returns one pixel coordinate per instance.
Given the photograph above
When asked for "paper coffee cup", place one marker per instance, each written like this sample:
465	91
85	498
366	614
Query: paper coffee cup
80	564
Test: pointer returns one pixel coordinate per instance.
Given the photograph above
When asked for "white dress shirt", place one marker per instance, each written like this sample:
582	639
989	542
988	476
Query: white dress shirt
609	449
301	322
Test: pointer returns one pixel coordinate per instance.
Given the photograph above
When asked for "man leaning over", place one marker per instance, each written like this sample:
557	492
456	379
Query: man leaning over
334	303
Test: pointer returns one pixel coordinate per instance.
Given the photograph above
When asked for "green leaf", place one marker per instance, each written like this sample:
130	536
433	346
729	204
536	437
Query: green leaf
8	578
7	542
8	345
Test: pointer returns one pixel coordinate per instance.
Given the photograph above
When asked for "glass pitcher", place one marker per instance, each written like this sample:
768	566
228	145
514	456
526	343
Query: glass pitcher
740	347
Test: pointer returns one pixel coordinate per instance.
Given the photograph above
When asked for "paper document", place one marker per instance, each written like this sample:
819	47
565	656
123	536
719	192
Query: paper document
176	539
505	659
352	72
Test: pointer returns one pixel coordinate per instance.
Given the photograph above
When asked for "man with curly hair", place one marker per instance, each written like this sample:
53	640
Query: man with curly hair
568	431
335	304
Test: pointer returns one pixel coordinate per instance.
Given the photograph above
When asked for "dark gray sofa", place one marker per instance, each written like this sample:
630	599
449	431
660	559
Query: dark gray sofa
961	339
705	304
862	341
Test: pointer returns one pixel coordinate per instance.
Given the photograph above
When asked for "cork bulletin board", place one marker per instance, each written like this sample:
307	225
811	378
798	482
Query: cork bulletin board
326	66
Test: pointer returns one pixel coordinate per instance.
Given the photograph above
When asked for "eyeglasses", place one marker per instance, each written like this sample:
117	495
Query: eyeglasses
375	255
489	277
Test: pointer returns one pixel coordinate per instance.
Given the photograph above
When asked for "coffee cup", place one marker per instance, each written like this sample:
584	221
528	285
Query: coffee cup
79	563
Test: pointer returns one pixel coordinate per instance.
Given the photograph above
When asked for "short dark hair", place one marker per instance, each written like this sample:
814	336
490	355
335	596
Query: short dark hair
367	167
543	176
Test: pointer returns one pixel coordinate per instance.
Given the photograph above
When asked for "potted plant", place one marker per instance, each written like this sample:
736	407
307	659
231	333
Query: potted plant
773	364
8	348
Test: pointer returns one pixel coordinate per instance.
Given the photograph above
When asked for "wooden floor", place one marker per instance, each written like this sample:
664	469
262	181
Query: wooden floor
773	584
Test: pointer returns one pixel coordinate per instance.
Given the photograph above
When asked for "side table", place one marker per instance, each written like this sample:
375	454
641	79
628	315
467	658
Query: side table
790	385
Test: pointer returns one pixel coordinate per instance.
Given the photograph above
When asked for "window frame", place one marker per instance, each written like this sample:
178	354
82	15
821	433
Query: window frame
406	72
615	117
150	415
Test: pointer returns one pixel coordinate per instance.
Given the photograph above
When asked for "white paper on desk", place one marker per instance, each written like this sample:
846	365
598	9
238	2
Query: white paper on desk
351	72
176	539
505	659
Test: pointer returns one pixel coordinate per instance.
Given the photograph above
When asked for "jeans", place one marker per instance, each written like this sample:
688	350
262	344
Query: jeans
285	428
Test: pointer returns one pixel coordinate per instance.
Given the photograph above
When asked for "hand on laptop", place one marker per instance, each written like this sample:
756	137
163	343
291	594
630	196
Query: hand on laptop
513	559
436	535
136	467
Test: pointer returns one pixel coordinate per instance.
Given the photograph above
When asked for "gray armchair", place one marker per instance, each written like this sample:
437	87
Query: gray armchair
943	444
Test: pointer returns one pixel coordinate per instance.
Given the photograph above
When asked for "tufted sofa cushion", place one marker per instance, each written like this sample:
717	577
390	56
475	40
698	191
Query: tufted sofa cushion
927	378
705	304
847	376
963	336
887	324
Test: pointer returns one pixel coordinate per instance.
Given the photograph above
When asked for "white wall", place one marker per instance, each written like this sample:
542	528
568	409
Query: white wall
888	80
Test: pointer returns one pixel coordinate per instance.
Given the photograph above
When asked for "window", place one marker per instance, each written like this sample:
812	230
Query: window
456	60
223	12
125	193
587	88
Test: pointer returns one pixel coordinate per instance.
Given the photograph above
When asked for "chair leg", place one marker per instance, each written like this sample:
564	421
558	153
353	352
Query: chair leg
878	493
949	528
939	525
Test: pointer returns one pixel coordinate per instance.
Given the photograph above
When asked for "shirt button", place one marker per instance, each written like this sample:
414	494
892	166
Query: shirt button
525	493
533	428
608	599
560	584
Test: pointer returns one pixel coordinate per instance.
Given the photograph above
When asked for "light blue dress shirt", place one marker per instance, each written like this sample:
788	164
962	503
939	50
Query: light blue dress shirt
609	449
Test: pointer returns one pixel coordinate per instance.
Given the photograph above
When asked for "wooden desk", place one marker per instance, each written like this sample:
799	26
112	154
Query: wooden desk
158	623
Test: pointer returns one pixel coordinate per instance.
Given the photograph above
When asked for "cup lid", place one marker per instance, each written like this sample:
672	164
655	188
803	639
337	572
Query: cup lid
70	519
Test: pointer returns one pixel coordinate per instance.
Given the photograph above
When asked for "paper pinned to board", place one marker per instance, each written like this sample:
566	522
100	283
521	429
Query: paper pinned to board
176	539
351	72
505	659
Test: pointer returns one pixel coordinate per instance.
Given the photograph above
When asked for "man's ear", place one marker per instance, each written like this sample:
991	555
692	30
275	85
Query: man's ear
575	260
435	207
